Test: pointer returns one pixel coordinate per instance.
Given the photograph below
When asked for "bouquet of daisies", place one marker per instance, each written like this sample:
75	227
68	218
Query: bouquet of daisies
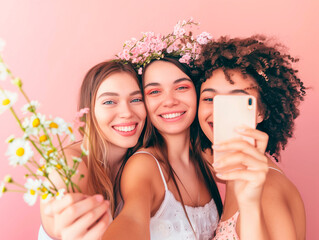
39	149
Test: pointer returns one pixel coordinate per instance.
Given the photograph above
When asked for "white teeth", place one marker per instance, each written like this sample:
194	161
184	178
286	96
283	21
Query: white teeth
171	115
125	128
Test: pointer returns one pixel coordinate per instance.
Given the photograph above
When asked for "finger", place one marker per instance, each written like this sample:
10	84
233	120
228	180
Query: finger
260	137
97	230
76	210
239	146
255	177
83	224
240	160
56	206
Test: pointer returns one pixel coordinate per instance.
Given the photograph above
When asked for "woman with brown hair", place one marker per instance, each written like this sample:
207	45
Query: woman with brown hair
113	127
167	186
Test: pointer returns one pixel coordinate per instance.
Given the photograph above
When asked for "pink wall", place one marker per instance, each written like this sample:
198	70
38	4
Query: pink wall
51	44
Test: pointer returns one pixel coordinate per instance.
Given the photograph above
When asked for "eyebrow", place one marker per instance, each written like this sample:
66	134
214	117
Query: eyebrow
116	94
176	81
212	90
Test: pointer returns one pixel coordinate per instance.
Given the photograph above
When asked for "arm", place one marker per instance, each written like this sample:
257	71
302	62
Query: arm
283	208
75	211
138	194
246	167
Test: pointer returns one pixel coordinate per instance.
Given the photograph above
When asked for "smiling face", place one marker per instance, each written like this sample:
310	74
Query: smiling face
119	109
170	98
218	84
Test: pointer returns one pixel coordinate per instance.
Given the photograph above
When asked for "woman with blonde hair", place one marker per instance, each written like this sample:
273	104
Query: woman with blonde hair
113	127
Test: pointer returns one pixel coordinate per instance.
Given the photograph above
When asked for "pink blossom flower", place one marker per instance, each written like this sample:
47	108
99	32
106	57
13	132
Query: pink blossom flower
77	121
185	58
140	71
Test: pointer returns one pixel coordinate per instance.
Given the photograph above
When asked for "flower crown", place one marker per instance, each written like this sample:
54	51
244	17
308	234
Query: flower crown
180	43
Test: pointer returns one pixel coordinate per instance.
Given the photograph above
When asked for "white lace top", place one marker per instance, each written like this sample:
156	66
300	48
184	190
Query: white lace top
170	221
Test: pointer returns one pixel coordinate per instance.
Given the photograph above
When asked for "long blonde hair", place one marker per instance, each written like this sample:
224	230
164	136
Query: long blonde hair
99	178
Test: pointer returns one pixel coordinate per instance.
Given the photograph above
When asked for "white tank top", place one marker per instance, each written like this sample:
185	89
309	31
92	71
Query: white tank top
170	222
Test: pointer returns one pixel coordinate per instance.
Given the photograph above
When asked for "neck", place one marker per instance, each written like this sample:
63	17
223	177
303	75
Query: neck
115	158
178	147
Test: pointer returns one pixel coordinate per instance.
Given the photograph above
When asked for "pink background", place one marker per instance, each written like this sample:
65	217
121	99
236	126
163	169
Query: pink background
51	44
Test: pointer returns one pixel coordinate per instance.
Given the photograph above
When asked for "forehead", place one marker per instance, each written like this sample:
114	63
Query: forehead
118	82
218	80
162	72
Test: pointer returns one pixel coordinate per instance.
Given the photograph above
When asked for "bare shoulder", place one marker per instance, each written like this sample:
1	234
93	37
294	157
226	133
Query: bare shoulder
140	166
141	185
283	207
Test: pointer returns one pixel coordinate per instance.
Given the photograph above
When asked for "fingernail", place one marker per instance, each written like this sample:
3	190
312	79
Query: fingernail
219	175
99	198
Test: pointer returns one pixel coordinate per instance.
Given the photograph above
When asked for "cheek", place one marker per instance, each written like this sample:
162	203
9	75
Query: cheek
205	111
141	112
102	116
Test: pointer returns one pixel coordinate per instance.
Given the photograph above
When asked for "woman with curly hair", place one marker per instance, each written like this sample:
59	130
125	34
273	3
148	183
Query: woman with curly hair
268	205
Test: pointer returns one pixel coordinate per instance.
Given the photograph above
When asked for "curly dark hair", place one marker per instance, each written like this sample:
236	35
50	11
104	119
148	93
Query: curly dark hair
279	88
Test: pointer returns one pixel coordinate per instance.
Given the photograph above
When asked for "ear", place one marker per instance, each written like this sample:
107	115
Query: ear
260	117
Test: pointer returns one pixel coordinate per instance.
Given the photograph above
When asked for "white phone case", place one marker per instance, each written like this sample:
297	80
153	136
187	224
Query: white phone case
231	112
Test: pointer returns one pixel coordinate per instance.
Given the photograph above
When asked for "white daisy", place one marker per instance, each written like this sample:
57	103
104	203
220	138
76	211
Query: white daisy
57	126
7	99
84	151
32	106
45	194
60	193
45	197
69	131
32	186
19	152
57	164
76	159
33	125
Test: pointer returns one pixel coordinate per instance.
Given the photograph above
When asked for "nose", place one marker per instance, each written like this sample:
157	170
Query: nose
125	110
170	100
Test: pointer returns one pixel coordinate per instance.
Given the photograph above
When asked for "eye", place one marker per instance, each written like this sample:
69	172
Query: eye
108	102
208	99
135	100
182	87
153	92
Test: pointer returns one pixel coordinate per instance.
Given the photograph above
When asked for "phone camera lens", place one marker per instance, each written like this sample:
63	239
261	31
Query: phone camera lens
250	101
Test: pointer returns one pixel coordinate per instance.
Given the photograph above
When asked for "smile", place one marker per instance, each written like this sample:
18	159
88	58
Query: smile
128	128
172	115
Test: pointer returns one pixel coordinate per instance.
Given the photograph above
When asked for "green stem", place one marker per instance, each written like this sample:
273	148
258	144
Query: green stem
24	94
17	184
32	173
16	117
61	147
36	147
15	190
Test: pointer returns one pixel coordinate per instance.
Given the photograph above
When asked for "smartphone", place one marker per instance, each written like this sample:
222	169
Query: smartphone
231	112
